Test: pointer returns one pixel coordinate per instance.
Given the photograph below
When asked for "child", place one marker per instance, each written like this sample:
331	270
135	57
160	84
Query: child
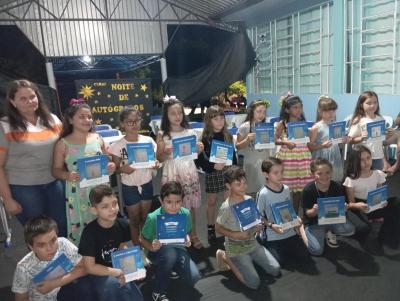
137	185
100	238
77	140
241	247
296	158
41	237
174	124
168	258
214	128
245	141
361	177
320	145
322	187
282	244
367	110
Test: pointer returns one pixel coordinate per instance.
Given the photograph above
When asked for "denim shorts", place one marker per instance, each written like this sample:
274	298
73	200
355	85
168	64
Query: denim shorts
132	196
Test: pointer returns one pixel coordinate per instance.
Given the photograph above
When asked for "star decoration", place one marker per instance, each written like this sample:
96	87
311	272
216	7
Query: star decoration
136	95
146	96
143	87
99	93
98	121
108	95
96	101
111	119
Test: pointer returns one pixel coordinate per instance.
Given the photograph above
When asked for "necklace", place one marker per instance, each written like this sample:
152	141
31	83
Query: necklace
324	193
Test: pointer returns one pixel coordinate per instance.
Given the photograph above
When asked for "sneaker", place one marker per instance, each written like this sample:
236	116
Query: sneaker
159	297
174	275
222	265
331	240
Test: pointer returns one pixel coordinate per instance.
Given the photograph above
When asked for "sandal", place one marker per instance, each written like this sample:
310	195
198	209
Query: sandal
196	243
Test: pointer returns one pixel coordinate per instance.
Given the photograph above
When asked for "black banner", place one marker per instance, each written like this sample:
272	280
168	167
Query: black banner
107	97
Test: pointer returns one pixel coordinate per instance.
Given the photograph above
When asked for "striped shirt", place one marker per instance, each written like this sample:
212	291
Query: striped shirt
29	158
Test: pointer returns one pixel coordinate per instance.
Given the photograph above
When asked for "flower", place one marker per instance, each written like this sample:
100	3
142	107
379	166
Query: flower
169	98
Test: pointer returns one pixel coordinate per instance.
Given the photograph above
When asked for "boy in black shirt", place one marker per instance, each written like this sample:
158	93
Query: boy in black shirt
322	187
99	239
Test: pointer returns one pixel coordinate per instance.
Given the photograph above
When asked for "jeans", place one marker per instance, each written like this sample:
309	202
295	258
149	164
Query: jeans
390	229
77	290
316	235
291	247
171	258
48	199
107	288
262	257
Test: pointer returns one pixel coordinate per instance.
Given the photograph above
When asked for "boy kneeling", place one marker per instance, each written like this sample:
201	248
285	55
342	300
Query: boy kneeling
241	247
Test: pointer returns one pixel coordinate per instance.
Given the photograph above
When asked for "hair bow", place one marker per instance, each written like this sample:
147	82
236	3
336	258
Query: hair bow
169	98
74	101
283	97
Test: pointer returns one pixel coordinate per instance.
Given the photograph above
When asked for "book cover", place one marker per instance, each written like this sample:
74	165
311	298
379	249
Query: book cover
141	155
331	210
247	214
337	131
221	152
298	132
93	170
285	215
376	130
377	198
264	136
171	228
55	269
130	262
185	147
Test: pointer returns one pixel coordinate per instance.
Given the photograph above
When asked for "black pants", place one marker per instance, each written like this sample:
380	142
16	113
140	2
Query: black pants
390	229
283	249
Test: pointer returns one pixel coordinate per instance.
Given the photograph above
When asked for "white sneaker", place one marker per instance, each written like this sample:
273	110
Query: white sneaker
331	240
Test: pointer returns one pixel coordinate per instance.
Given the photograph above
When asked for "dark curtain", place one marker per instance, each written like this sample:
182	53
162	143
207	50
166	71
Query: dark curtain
231	62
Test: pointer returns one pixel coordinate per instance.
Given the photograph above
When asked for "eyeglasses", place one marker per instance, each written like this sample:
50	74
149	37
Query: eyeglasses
133	122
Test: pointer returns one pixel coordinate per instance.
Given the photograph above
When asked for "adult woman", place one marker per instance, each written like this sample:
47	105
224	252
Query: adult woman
27	136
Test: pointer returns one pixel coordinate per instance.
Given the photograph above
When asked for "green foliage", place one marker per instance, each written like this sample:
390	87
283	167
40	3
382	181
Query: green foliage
238	87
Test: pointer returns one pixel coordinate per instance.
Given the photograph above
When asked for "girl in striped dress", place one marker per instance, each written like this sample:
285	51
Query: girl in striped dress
296	158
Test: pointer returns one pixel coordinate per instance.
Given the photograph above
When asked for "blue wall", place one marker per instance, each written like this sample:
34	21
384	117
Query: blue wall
389	104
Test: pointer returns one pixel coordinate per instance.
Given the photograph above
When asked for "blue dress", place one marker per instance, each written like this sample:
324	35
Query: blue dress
332	154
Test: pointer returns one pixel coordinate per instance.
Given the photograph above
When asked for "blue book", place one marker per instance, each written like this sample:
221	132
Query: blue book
337	131
141	155
264	136
377	198
130	262
331	210
284	214
93	170
221	152
55	269
298	132
247	214
185	147
171	228
376	130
